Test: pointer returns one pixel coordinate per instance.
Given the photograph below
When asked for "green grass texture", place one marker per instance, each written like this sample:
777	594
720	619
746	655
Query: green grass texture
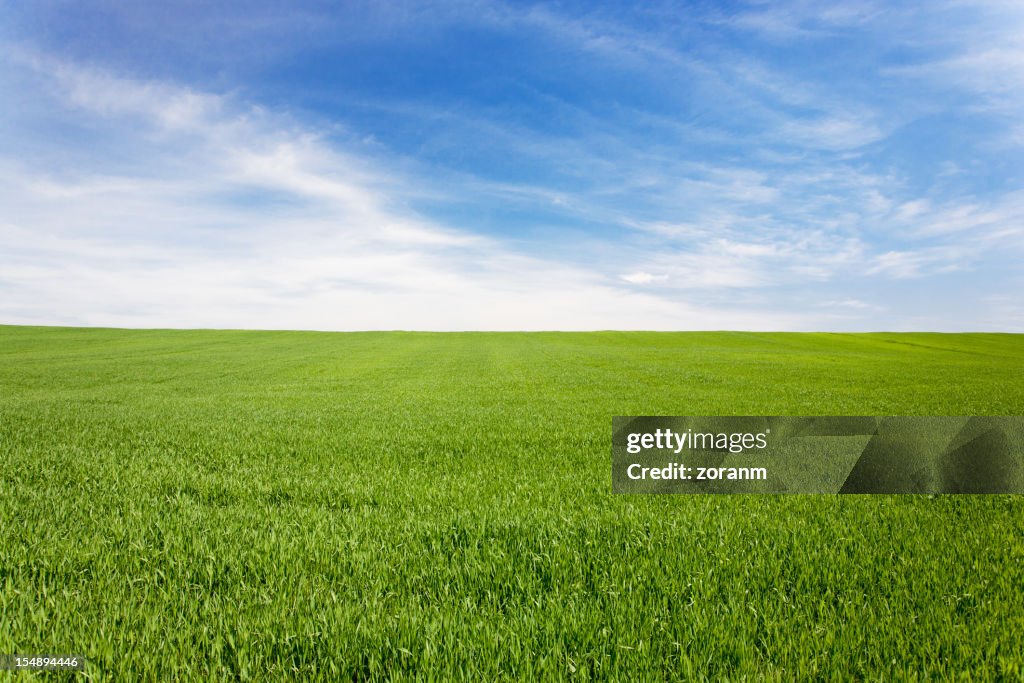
230	505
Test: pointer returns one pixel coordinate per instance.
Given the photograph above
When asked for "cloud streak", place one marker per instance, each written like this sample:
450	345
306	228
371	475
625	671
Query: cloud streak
331	252
497	167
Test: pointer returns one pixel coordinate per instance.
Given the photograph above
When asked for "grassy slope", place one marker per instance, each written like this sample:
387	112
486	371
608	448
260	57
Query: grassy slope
375	504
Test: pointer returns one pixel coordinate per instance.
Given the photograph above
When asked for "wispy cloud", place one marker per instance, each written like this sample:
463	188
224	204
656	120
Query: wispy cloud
642	278
805	19
855	304
487	165
314	244
920	262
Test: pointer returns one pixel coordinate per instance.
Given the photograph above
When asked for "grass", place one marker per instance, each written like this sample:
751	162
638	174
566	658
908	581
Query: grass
265	505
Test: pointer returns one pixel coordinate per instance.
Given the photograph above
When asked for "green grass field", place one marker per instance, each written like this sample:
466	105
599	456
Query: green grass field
202	504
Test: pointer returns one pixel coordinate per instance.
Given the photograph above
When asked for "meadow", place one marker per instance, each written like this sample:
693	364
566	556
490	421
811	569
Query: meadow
202	505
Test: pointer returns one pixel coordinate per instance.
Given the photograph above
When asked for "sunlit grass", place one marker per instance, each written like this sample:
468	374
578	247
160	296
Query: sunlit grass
376	505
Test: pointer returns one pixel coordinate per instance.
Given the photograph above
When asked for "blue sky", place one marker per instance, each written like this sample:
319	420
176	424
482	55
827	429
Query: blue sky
848	165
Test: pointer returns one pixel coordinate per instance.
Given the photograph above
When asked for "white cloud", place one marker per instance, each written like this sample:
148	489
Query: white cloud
995	72
246	220
802	20
832	132
972	46
856	304
189	207
920	262
642	278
